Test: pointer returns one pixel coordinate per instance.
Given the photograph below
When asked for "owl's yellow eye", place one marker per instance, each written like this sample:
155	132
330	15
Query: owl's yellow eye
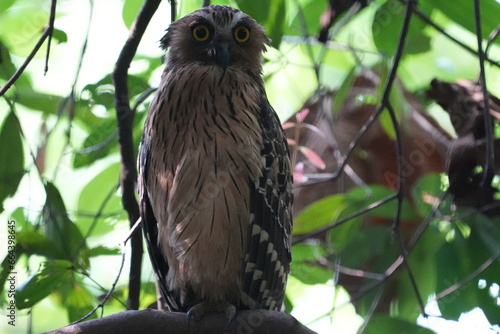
201	33
241	34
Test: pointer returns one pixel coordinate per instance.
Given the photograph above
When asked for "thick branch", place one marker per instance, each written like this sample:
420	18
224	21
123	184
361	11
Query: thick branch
153	321
125	118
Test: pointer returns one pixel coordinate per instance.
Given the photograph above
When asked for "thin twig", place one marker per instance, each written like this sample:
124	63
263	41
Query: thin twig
125	118
110	292
372	309
305	36
68	103
354	143
427	20
489	165
493	36
425	223
47	32
95	219
469	278
50	32
399	146
113	286
97	147
102	288
388	273
23	135
301	238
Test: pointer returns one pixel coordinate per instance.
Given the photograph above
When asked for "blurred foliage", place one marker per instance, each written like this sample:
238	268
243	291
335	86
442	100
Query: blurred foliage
59	166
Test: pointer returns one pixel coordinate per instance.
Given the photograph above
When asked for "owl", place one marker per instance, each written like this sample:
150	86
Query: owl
215	185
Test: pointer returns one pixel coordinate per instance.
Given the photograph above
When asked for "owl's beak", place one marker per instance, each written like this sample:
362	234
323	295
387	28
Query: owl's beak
222	55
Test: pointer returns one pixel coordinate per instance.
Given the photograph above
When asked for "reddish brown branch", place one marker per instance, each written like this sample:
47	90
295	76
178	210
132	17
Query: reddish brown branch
152	321
125	118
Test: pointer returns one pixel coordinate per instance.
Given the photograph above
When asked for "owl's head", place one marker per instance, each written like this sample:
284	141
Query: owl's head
216	35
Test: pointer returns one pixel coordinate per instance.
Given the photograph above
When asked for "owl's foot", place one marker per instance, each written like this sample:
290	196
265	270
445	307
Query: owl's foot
197	311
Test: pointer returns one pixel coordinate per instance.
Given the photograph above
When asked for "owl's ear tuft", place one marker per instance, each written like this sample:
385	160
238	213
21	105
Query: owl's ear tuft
266	42
165	40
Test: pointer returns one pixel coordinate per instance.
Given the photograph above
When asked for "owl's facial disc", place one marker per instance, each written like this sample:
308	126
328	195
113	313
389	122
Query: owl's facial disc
219	37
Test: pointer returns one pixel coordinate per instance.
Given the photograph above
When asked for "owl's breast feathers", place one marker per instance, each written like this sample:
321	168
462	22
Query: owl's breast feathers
215	190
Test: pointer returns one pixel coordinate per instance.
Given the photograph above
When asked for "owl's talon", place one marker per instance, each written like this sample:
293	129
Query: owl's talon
230	313
196	312
199	310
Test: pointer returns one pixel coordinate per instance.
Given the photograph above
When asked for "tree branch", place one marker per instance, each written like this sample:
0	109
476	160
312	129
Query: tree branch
489	166
47	32
154	321
427	20
125	118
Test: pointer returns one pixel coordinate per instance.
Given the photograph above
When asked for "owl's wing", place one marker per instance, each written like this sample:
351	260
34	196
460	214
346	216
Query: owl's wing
269	256
150	227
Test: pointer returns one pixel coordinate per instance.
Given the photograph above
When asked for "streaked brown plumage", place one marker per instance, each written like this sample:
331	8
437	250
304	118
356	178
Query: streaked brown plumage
214	172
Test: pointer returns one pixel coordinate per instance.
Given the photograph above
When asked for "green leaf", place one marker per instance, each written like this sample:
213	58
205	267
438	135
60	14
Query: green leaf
5	4
99	143
426	192
364	196
11	156
103	250
60	230
319	214
387	25
369	244
305	266
290	70
422	261
275	25
344	90
487	231
7	267
38	286
331	208
60	36
462	13
96	196
340	236
47	103
385	324
269	13
21	27
130	10
387	124
33	242
311	11
288	304
460	257
259	10
103	91
77	299
153	64
399	102
8	69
